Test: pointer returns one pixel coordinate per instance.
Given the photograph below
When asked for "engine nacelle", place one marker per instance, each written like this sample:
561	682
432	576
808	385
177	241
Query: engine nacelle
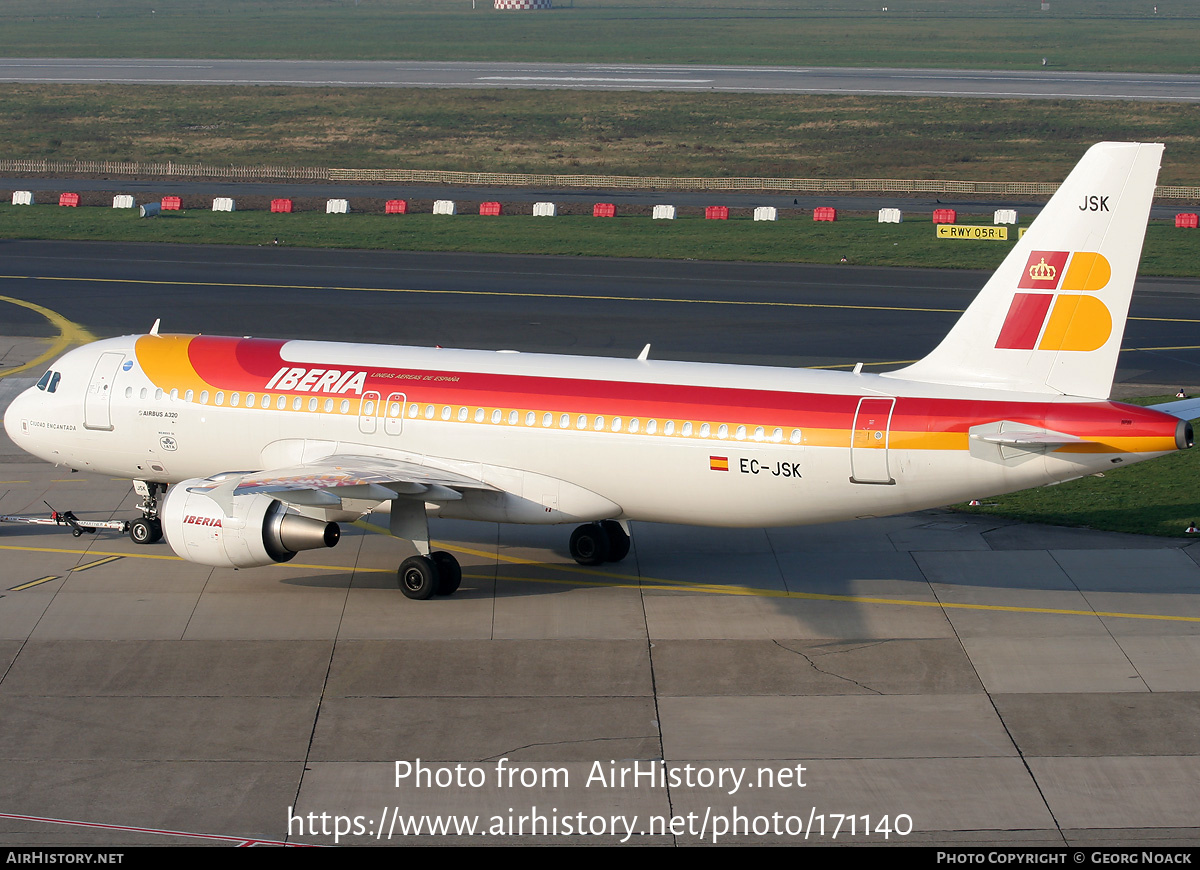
258	530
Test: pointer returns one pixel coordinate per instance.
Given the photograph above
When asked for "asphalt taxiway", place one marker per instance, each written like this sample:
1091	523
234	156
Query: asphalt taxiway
985	681
1010	84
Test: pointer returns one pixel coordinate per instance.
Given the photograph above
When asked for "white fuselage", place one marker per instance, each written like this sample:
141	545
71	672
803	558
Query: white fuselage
664	441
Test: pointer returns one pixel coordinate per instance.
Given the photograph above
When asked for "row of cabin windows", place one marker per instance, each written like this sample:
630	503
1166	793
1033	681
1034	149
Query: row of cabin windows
596	424
564	421
251	400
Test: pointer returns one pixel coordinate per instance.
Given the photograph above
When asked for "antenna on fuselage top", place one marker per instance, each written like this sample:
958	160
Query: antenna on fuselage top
154	328
645	354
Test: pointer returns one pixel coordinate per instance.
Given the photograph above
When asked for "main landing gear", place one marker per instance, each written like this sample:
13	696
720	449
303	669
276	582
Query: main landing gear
147	529
422	577
428	573
597	543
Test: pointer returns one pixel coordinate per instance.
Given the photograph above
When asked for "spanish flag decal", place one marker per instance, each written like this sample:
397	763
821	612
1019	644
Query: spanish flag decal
718	463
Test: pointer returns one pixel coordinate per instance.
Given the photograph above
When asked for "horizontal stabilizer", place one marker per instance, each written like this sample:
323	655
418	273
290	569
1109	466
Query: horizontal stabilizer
1184	409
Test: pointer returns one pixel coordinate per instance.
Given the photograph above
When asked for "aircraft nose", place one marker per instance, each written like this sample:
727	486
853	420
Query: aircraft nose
13	415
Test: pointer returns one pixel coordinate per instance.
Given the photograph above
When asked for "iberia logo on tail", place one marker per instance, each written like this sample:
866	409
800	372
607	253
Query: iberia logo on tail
1076	322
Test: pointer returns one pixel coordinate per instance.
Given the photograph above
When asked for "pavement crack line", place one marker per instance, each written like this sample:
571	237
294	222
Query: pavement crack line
812	664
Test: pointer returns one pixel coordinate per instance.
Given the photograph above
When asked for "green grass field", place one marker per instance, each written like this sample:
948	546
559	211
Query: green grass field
569	132
796	238
977	34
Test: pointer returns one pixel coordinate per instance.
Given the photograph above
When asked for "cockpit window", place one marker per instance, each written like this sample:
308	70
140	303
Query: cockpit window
49	381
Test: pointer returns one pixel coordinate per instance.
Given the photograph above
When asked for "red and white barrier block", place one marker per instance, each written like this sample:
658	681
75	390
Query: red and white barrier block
444	206
22	197
337	206
545	209
1005	216
890	216
663	213
123	200
766	213
224	203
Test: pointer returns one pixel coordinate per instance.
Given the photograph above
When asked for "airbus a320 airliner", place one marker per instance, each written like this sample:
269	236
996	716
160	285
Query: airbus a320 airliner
262	447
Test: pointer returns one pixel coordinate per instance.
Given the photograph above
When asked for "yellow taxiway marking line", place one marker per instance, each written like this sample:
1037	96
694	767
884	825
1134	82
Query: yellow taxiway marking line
525	295
69	333
90	553
629	581
97	563
33	583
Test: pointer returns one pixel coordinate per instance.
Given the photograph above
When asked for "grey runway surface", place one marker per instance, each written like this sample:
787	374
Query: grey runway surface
1033	84
967	680
791	315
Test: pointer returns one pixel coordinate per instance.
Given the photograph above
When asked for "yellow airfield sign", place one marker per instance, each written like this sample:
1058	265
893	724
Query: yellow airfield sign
954	231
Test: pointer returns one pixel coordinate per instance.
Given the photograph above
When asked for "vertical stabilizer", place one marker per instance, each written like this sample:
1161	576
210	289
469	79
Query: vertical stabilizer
1052	317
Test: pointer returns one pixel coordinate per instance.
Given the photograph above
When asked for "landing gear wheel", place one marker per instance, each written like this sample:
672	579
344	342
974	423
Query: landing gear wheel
145	531
618	541
449	572
589	544
418	577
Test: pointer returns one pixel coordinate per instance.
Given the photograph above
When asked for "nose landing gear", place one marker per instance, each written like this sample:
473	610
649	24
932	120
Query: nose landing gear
147	529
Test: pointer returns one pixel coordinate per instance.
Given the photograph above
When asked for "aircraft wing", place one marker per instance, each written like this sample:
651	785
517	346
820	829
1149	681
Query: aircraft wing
330	482
1184	409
